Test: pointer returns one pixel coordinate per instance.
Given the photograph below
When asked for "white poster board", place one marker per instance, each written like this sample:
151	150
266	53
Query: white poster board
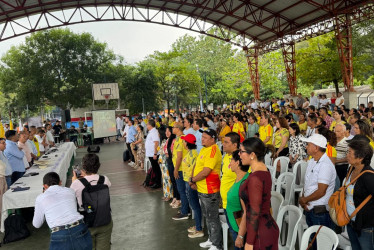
35	121
104	123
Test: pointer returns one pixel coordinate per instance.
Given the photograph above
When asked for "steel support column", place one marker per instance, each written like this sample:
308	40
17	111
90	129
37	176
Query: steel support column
252	60
288	52
343	34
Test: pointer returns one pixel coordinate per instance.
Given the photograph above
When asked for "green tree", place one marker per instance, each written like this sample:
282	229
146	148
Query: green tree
54	67
176	78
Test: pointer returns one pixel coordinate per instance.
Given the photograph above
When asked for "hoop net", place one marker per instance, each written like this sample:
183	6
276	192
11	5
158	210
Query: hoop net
106	96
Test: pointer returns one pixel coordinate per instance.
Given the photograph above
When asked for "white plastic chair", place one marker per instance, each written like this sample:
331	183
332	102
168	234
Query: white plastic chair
284	161
286	181
272	174
147	164
294	217
276	203
268	159
302	165
344	242
225	231
326	238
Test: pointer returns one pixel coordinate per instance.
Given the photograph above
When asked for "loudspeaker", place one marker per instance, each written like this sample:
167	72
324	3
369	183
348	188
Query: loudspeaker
67	115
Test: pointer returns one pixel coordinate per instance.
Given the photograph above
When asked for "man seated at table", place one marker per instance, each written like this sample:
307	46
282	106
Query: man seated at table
58	206
15	155
50	138
73	134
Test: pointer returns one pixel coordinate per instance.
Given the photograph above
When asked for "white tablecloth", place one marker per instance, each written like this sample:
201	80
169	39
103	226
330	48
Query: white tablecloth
59	162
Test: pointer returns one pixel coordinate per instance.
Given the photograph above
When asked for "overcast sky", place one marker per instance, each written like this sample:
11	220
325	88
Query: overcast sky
133	40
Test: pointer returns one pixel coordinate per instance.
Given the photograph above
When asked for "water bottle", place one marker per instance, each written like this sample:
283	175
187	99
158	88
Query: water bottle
89	210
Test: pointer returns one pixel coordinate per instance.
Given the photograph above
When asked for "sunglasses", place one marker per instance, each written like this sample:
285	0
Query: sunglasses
244	151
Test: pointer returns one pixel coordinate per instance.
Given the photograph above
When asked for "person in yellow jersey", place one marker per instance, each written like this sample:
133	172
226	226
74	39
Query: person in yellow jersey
171	121
188	162
231	143
362	128
205	179
338	119
238	127
266	130
225	130
179	152
303	125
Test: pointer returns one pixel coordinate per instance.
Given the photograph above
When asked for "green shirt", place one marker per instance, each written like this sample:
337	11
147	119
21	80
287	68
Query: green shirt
233	202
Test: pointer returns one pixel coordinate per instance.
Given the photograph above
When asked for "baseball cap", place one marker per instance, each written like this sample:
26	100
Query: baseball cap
316	139
210	132
359	138
190	138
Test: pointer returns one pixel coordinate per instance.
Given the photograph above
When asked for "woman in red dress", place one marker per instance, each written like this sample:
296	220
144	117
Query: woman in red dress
255	193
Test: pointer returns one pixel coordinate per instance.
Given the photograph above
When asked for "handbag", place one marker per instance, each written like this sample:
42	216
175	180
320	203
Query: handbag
337	202
135	148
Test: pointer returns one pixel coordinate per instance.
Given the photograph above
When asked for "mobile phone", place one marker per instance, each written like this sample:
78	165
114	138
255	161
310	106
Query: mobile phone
77	171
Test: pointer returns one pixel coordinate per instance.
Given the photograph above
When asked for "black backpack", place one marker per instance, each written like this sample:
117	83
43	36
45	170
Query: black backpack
93	149
150	178
15	229
96	203
126	155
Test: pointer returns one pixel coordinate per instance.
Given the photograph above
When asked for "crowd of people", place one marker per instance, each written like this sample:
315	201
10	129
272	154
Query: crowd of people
215	159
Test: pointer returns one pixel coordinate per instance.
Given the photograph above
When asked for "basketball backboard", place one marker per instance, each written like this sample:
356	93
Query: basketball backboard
102	90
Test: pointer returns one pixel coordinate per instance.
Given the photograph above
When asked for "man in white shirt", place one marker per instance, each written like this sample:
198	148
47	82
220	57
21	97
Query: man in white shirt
49	135
313	100
254	104
188	123
42	140
119	125
58	206
8	169
341	164
340	100
151	151
319	183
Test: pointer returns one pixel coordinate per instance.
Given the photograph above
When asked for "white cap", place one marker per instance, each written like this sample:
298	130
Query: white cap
316	139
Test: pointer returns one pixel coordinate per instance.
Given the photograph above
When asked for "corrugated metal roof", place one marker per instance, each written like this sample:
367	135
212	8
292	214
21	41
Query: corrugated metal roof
262	21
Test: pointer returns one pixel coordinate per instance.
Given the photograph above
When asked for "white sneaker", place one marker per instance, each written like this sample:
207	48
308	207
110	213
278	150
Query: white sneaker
206	244
131	163
214	248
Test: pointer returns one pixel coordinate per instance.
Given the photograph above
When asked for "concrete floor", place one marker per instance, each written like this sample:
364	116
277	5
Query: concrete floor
141	219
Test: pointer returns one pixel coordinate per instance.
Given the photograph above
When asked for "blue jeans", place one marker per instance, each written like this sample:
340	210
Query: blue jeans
363	242
181	185
118	134
193	199
313	219
76	238
8	181
234	234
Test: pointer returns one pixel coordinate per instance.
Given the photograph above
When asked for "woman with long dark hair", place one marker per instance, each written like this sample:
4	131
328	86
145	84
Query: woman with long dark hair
255	193
167	151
